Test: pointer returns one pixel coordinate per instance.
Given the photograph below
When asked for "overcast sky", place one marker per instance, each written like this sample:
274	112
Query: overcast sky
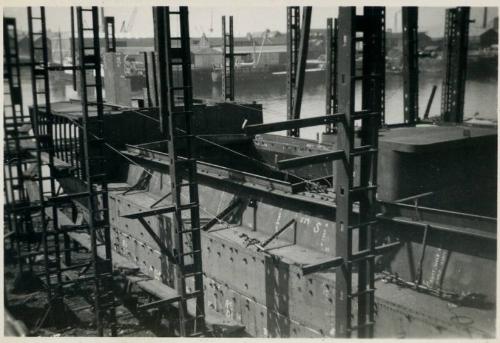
246	19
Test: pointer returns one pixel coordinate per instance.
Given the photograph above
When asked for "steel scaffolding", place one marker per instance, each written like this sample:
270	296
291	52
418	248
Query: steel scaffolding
227	60
176	102
456	37
351	192
72	148
17	216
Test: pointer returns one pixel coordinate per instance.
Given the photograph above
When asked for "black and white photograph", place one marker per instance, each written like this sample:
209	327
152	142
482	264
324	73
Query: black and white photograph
250	169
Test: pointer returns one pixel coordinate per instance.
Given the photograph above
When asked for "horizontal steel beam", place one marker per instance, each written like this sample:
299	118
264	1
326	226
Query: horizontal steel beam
443	220
313	159
222	214
293	124
159	303
441	227
325	264
381	249
156	211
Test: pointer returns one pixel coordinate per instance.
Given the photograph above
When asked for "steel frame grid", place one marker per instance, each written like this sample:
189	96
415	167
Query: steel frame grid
227	60
172	113
92	133
371	24
14	164
50	130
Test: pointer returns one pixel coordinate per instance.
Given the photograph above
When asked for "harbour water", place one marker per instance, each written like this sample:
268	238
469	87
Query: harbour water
480	97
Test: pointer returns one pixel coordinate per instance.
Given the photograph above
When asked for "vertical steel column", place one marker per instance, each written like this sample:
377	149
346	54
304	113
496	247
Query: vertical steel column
345	141
94	166
176	102
109	33
455	57
73	47
373	101
331	70
292	49
151	78
227	60
297	87
410	64
349	192
147	90
60	48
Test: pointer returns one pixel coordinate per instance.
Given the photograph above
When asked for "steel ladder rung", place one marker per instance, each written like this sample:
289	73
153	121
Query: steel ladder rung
188	253
362	224
363	292
182	232
361	189
363	115
366	77
191	274
361	256
362	150
73	267
192	295
357	327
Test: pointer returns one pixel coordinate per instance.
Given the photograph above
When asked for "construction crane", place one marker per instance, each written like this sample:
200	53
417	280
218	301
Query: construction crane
127	25
256	58
211	20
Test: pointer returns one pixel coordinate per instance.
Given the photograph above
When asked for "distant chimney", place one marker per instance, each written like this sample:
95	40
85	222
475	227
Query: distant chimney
485	17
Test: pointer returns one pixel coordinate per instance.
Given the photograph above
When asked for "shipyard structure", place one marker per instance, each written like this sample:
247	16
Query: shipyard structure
172	216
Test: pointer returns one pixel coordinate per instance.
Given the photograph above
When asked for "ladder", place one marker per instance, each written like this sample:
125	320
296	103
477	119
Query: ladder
94	177
227	60
293	38
14	162
331	71
176	102
351	191
42	128
456	36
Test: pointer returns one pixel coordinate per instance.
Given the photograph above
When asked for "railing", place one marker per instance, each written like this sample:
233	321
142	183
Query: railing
66	137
